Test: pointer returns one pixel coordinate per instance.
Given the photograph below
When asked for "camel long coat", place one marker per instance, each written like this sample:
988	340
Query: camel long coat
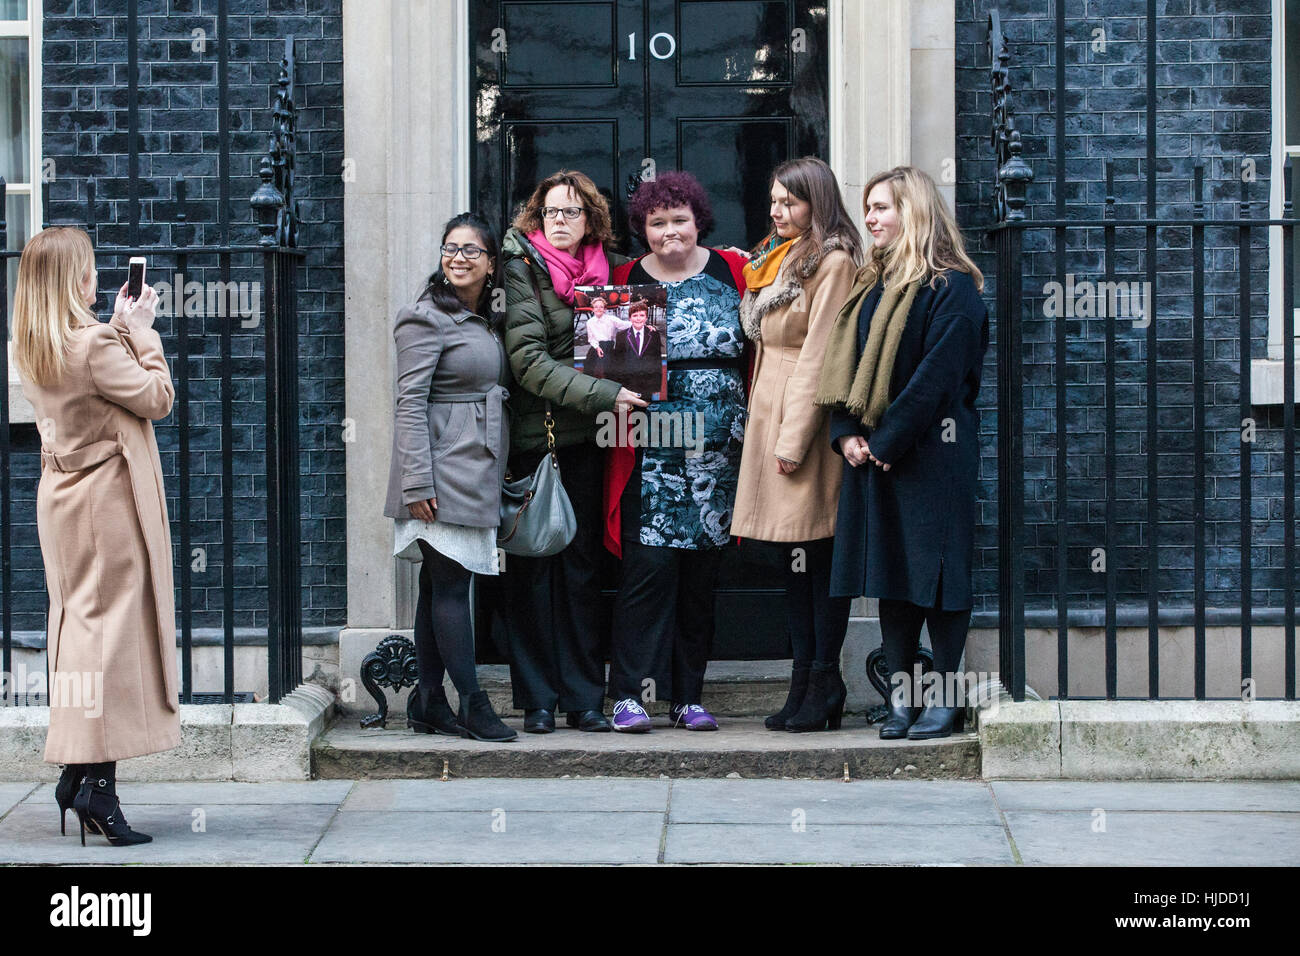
795	314
101	514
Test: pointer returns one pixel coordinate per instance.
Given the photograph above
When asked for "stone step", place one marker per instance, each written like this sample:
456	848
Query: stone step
741	746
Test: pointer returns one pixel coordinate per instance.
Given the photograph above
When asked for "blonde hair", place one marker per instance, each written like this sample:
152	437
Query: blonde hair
928	241
48	305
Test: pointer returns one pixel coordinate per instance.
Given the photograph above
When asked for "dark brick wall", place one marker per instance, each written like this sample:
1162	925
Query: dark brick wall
1213	63
85	126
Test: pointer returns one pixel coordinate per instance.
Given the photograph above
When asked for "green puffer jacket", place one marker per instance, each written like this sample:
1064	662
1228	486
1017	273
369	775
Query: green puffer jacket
539	341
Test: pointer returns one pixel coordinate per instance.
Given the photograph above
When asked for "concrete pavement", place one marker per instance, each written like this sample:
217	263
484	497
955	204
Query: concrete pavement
677	821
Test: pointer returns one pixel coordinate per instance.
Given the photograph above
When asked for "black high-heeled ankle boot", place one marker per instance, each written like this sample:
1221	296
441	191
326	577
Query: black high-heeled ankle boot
798	688
65	791
98	808
937	722
429	712
823	704
480	721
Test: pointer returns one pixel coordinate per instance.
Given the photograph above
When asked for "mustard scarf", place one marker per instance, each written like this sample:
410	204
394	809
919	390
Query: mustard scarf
763	269
863	389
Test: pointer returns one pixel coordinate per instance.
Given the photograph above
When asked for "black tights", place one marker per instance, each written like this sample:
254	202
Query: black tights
900	631
817	623
444	632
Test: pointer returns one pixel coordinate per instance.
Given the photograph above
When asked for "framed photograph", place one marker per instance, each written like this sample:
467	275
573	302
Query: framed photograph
620	332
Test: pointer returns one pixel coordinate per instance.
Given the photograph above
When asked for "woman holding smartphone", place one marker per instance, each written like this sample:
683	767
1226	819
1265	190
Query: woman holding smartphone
901	375
560	239
450	441
102	519
789	477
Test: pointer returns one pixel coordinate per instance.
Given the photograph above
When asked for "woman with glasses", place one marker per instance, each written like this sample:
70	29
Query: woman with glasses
561	238
450	441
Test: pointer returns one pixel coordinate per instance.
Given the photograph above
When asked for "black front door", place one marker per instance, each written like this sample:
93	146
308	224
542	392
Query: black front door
620	89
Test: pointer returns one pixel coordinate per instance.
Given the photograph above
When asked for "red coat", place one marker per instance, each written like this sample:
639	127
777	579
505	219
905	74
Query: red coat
621	459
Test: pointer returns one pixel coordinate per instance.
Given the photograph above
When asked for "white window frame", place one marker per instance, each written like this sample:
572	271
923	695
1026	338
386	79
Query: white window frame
1266	374
30	28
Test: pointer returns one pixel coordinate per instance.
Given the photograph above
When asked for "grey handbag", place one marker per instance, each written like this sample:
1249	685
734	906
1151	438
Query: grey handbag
536	516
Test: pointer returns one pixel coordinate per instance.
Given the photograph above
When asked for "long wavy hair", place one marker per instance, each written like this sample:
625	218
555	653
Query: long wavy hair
812	181
439	288
599	226
928	241
48	308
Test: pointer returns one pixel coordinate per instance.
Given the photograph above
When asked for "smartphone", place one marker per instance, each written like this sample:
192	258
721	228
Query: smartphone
135	278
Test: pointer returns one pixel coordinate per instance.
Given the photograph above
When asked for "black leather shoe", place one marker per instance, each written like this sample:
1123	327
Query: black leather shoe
430	713
823	703
99	810
592	721
899	720
794	700
539	721
937	722
65	791
480	721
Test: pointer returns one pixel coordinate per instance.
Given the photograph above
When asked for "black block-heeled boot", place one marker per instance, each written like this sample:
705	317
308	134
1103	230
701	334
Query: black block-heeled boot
65	791
823	704
429	712
480	721
901	717
98	808
798	688
937	722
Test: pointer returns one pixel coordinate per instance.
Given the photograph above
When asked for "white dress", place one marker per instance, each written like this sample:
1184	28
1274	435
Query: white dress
474	548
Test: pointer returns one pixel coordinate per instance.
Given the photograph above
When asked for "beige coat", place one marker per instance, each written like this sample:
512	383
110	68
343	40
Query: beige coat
794	314
101	512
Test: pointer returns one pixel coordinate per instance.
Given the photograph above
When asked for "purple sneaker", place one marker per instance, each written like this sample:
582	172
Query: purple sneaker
692	717
630	717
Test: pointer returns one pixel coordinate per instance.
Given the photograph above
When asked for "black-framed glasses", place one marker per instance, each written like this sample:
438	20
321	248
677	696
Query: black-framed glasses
469	250
570	212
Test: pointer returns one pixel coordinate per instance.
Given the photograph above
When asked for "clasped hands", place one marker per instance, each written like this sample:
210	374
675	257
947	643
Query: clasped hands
857	452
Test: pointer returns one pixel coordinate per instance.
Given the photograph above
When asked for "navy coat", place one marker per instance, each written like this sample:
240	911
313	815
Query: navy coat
899	530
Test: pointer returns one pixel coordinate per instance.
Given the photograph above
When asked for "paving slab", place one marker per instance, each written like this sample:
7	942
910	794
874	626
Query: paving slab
213	793
823	802
1185	838
741	746
550	796
1244	795
13	793
522	836
231	834
932	845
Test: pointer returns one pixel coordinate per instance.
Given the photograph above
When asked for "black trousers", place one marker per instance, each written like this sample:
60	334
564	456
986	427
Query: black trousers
552	613
900	631
815	621
663	623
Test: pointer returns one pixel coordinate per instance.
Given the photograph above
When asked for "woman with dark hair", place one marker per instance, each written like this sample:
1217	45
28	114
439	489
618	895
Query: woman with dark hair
668	507
789	477
561	238
902	373
450	440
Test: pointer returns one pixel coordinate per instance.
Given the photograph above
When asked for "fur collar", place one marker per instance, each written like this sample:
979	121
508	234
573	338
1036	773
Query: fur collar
787	288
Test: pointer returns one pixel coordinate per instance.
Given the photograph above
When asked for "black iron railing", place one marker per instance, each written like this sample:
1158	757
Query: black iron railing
1013	235
275	212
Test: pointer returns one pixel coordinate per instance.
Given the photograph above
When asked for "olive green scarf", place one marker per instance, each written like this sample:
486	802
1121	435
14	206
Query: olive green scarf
863	390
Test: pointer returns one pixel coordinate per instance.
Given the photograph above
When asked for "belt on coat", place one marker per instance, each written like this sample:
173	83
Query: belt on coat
84	457
737	363
494	399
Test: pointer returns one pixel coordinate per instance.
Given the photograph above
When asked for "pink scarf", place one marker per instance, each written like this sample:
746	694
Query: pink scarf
567	270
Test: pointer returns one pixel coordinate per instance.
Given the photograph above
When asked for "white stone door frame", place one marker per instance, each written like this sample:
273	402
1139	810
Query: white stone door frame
407	140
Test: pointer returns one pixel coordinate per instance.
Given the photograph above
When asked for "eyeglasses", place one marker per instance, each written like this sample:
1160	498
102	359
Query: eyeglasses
468	251
570	212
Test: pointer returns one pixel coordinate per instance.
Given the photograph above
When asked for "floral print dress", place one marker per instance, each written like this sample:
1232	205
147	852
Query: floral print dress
684	499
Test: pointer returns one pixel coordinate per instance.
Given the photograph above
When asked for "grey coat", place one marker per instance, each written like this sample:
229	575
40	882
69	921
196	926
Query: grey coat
450	429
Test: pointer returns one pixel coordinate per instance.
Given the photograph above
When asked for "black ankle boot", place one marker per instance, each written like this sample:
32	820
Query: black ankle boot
98	808
901	717
937	722
823	703
480	721
798	688
428	712
65	791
